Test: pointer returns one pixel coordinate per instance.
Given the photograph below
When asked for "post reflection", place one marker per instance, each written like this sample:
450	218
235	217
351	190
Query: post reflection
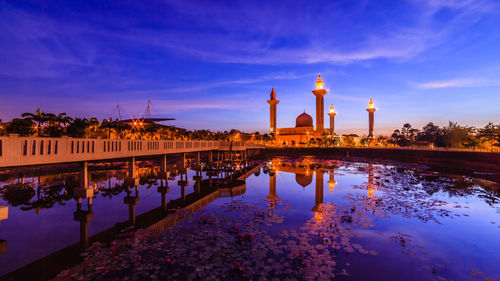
84	217
131	201
183	182
164	189
4	214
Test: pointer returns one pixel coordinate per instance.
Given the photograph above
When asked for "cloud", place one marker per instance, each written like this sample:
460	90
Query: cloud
458	83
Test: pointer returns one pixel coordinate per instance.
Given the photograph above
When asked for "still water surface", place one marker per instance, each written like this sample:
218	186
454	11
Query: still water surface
298	218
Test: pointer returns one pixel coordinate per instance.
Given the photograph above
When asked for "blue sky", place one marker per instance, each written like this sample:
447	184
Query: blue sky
212	64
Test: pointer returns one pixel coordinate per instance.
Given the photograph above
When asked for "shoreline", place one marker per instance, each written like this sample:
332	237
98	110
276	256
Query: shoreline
484	165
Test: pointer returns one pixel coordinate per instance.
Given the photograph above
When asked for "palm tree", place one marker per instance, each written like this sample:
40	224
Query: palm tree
39	116
93	124
63	119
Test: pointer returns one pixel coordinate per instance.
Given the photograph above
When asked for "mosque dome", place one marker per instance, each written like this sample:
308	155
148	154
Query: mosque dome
303	180
304	120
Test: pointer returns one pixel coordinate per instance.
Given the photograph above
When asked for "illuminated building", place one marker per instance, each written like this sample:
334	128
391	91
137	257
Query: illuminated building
371	118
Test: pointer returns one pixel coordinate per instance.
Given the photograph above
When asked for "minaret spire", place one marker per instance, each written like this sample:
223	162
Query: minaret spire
320	92
371	118
272	109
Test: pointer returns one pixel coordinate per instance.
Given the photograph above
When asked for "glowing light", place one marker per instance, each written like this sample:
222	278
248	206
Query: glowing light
370	104
318	216
370	192
319	84
332	110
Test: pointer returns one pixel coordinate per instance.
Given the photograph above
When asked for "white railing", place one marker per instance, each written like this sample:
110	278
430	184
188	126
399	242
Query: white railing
21	151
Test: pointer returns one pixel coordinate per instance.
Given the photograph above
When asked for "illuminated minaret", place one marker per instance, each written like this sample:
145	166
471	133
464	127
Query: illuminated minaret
318	200
320	92
272	105
371	116
332	114
371	185
272	188
332	182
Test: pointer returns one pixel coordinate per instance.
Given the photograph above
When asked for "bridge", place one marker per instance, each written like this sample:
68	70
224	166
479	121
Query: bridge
18	151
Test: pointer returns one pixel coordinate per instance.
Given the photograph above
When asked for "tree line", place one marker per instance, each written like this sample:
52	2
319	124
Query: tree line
450	135
43	124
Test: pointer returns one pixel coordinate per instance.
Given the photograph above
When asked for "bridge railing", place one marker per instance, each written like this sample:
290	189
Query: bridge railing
19	151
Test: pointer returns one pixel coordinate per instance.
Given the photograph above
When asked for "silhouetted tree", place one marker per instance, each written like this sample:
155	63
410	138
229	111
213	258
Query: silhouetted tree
22	127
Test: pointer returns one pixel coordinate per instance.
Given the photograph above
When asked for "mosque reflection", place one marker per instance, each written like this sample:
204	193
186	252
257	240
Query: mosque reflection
305	172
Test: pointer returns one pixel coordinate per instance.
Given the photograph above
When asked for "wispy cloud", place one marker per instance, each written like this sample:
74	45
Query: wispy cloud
458	83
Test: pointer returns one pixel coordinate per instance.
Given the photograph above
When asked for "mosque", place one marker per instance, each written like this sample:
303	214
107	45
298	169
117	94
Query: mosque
304	129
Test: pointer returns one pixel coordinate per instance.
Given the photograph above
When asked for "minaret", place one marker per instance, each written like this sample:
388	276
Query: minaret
318	200
272	105
332	114
320	92
332	182
371	116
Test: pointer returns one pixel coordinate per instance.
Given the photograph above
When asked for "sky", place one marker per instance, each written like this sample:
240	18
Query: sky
212	64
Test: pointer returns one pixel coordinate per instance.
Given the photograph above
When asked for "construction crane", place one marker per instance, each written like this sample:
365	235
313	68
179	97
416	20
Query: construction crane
119	114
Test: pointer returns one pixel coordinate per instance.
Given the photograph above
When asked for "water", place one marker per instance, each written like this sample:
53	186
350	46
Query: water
298	218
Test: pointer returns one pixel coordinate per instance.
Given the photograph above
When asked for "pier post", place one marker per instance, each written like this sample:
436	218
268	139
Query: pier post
84	175
163	166
131	168
210	156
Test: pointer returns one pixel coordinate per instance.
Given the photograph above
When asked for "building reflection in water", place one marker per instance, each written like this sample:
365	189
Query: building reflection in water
164	189
371	186
4	214
304	174
83	216
272	188
318	195
183	182
83	187
331	181
131	201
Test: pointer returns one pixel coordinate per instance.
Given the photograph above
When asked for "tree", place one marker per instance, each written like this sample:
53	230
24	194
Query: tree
22	127
430	133
77	128
490	133
455	135
406	136
39	117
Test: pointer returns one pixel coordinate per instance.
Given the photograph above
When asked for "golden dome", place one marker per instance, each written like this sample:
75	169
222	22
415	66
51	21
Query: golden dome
370	104
319	84
304	120
303	180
